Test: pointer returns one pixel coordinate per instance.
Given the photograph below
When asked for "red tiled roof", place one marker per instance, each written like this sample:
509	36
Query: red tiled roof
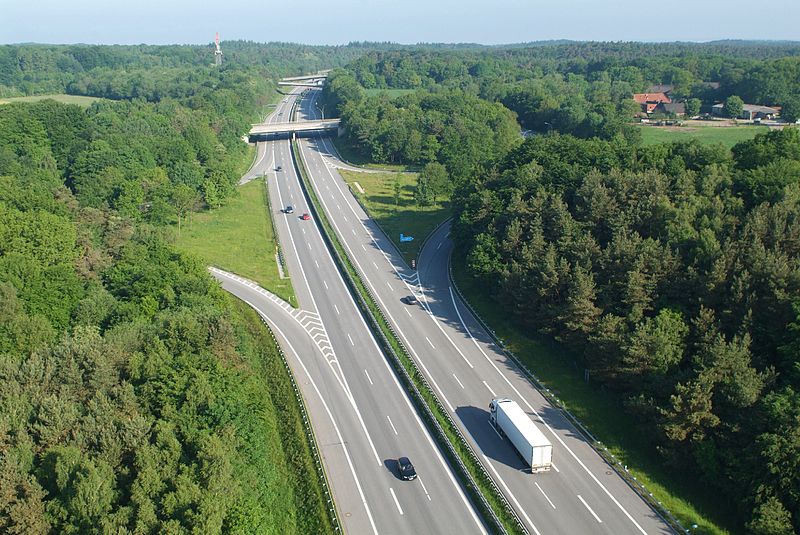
643	98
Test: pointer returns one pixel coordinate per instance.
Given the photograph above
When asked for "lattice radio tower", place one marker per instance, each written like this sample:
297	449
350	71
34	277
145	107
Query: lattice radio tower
217	51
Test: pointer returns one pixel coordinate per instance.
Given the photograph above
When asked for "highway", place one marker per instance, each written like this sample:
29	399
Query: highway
582	494
362	418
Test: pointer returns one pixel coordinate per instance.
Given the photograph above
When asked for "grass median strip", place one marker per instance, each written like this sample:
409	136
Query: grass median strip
484	494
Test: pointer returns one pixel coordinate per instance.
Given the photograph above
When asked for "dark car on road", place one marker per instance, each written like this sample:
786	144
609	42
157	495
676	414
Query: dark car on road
410	300
289	209
406	469
279	168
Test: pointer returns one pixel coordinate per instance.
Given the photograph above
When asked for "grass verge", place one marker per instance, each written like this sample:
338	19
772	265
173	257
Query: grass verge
491	504
352	155
239	238
58	97
408	218
298	489
688	501
727	135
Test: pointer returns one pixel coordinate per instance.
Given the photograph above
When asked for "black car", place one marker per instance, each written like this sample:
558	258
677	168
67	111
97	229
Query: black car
279	168
407	471
410	300
289	209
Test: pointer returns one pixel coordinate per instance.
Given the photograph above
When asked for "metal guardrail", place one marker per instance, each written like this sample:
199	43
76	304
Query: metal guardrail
395	360
597	445
333	513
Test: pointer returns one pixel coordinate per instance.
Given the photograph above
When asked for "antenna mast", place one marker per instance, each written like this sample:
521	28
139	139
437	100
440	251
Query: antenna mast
217	51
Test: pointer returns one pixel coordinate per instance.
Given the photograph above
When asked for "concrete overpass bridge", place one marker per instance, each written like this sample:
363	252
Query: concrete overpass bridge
272	130
301	84
306	77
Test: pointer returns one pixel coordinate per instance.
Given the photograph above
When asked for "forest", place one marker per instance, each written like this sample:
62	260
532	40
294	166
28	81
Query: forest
671	273
135	395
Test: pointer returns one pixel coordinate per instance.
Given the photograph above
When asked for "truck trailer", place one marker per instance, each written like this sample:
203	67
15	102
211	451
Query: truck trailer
509	418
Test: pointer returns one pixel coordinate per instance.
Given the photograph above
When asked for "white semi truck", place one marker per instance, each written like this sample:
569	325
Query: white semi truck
532	445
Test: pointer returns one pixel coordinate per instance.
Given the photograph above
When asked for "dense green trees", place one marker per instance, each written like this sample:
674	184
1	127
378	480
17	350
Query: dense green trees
673	275
456	129
135	395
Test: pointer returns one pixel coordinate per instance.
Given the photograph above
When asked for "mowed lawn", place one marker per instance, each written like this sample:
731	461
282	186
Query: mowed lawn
239	238
406	217
66	99
727	135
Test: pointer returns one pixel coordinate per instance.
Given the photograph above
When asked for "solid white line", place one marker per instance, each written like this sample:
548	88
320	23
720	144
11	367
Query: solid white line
545	495
390	423
431	343
557	437
513	498
490	388
423	488
395	500
368	377
495	429
330	415
459	382
326	284
590	509
336	309
351	340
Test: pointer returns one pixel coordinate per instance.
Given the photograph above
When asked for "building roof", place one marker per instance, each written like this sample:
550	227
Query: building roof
643	98
661	88
677	108
752	108
755	108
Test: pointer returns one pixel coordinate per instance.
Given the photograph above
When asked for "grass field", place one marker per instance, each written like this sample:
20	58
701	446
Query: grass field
603	416
407	217
66	99
239	238
727	135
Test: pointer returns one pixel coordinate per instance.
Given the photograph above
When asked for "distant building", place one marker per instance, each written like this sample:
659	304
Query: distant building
661	88
672	108
650	101
749	111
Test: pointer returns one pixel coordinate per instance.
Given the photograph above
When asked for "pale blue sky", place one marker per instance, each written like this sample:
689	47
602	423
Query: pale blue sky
403	21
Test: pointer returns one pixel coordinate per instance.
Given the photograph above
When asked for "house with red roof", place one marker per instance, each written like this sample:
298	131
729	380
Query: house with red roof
650	101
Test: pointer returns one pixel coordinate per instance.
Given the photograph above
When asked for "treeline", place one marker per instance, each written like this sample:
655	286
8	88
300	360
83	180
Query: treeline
673	276
585	89
454	128
31	69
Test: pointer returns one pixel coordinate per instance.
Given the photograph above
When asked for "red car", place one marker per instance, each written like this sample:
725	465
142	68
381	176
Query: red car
305	217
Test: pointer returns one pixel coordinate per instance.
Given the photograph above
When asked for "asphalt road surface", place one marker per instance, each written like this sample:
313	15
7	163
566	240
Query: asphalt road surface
362	418
582	494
